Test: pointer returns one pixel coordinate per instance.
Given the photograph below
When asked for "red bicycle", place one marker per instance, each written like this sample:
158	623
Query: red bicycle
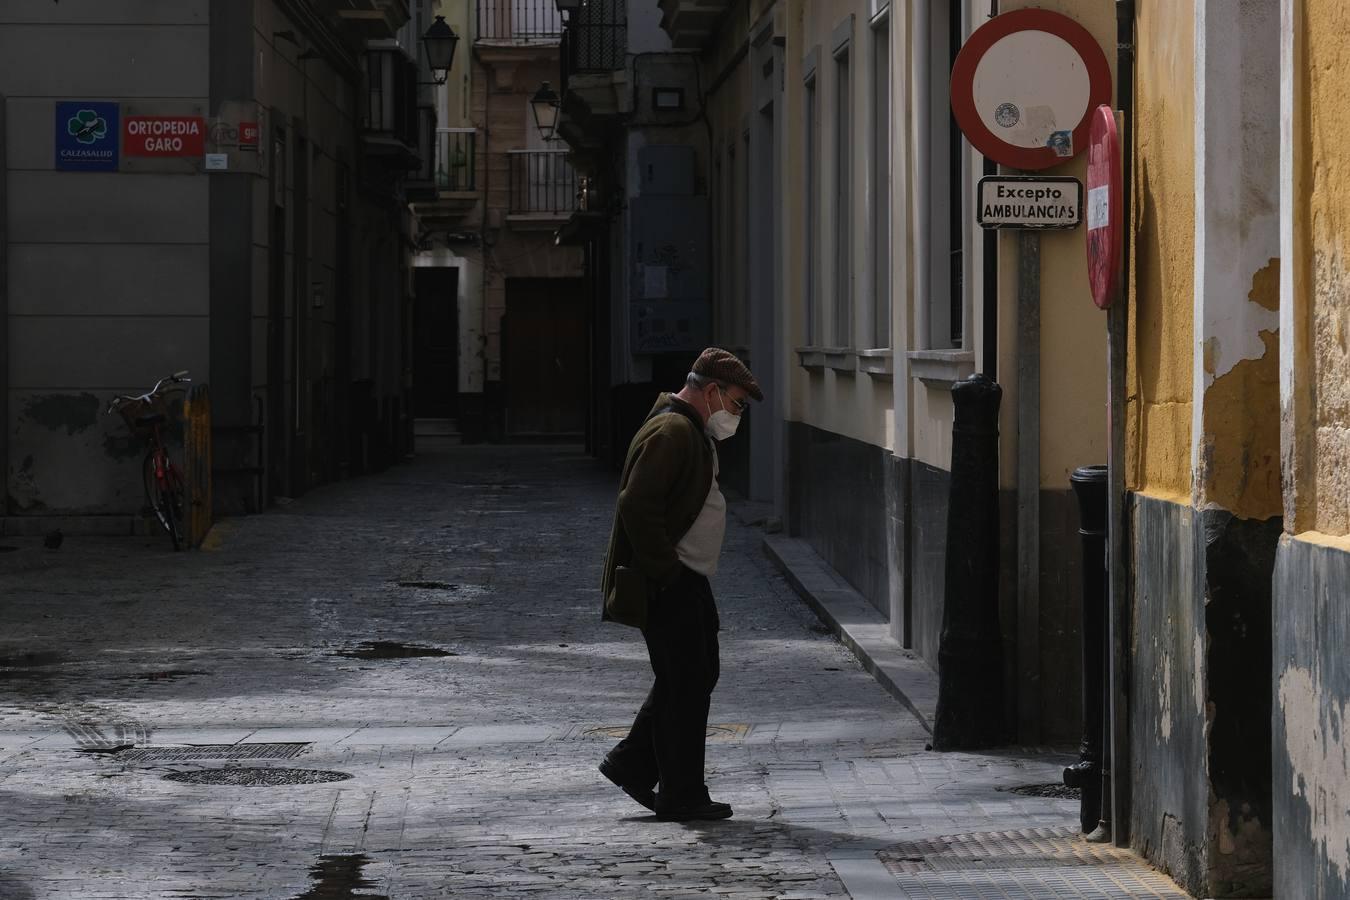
145	415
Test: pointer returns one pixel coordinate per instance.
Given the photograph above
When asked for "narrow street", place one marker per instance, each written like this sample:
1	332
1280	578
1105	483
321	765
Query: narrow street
296	640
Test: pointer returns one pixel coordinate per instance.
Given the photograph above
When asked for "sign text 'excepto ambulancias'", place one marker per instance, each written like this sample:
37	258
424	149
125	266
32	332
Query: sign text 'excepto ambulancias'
1013	201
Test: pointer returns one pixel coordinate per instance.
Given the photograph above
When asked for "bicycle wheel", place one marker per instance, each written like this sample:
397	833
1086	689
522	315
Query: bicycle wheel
165	497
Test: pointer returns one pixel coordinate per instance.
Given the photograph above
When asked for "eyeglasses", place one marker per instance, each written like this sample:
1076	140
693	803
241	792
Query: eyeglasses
740	405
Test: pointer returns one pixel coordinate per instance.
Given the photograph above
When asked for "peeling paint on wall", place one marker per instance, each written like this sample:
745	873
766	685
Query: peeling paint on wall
1239	459
1318	750
72	412
1165	695
68	456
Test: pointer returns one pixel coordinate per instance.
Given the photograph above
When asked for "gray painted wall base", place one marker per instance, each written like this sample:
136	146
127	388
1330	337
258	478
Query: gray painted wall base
1312	697
859	626
1200	714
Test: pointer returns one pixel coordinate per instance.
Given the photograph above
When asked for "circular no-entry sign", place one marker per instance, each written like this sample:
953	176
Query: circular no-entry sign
1105	205
1024	85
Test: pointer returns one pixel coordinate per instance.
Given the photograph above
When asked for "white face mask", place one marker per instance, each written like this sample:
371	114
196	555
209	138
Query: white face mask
722	424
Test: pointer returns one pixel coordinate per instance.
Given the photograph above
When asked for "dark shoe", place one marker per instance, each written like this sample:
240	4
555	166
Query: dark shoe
705	811
644	796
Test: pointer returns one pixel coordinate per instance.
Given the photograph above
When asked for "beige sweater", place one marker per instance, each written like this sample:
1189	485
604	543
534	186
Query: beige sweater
701	546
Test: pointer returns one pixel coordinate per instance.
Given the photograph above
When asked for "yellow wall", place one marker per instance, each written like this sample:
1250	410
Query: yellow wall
856	405
1327	36
1073	330
1160	373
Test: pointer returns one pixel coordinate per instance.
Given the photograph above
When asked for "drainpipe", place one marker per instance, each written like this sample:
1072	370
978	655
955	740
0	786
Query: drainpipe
1118	523
4	314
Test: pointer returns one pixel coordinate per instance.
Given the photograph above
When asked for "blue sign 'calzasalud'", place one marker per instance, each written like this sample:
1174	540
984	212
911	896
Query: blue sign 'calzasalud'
87	137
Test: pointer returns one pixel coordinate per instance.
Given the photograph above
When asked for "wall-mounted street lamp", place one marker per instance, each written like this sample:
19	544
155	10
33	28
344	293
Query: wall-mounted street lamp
438	46
545	105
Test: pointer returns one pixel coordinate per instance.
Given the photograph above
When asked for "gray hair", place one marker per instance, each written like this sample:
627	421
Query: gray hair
699	382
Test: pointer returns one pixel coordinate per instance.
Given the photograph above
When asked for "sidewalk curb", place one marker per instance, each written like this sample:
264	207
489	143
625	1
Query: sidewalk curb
860	627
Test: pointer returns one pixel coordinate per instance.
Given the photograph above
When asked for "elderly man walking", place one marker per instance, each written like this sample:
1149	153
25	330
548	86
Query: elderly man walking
665	544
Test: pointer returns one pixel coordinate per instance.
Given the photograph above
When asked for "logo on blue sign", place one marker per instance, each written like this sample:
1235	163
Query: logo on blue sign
87	137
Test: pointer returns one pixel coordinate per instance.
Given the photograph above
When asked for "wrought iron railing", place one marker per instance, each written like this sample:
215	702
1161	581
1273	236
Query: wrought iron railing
542	181
596	38
526	21
455	160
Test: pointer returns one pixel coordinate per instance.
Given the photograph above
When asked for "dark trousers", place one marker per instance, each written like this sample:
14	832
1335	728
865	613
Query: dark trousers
666	741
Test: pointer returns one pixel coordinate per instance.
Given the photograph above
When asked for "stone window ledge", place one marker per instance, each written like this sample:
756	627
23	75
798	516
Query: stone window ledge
879	363
941	368
840	359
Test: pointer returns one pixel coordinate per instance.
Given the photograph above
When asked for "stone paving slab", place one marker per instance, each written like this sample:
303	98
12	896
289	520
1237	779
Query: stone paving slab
241	643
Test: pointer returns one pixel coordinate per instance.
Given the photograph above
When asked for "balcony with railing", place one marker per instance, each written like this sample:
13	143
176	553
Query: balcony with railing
456	160
543	187
595	41
510	22
454	194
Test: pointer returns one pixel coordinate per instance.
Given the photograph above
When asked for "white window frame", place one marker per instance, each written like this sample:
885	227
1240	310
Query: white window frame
879	193
811	201
841	335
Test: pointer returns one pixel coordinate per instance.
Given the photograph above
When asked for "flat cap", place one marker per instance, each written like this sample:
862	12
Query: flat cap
719	365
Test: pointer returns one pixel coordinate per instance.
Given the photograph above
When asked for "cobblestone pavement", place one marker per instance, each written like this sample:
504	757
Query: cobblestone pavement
472	774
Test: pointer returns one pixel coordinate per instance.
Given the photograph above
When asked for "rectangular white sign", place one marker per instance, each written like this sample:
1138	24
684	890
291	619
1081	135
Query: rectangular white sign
1021	201
1099	207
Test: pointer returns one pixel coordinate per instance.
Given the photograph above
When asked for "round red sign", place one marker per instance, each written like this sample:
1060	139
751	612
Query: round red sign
1024	85
1105	206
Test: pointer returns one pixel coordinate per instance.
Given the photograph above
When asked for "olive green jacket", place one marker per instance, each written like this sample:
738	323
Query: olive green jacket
666	479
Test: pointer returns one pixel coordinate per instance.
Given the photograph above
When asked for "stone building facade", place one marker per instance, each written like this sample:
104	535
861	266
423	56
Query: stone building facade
264	245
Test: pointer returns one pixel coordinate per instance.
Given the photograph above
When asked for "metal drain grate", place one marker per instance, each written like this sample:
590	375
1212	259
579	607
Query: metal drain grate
212	751
258	777
1033	862
1052	791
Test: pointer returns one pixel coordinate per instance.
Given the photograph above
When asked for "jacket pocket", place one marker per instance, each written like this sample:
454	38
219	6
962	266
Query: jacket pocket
626	602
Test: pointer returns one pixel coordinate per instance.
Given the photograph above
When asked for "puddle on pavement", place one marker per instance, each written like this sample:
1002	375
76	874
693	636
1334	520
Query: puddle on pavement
338	878
170	675
32	660
429	585
257	777
8	549
392	650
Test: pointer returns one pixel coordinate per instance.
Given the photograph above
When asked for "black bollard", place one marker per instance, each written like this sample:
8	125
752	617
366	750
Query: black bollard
1089	484
970	655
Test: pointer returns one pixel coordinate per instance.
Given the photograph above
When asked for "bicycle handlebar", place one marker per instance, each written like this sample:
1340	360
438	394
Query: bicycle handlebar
179	377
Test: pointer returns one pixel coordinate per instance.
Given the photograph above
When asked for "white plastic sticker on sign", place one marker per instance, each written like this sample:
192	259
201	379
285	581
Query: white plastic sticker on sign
1099	207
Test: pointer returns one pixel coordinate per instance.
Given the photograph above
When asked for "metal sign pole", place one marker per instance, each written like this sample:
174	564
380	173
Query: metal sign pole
1028	482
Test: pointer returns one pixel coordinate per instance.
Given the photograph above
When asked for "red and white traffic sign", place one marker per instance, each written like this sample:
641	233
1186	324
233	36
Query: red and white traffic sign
1105	206
1024	85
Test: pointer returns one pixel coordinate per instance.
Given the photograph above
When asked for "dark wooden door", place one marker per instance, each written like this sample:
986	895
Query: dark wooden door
436	344
545	357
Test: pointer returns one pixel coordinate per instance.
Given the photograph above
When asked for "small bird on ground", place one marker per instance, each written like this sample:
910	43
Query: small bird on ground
53	540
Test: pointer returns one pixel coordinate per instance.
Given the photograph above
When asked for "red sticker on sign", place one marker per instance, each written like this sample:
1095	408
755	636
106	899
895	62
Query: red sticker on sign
249	135
161	136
